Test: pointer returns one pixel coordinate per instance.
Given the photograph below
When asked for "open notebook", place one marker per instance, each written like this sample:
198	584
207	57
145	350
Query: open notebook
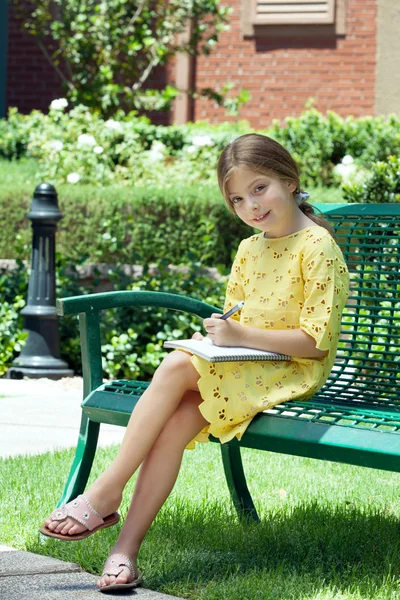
206	349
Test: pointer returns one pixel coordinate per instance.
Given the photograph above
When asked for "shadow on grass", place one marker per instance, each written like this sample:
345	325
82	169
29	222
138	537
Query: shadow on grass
190	547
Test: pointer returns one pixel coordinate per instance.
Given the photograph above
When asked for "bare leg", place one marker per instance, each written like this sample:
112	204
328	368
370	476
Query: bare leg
174	377
156	479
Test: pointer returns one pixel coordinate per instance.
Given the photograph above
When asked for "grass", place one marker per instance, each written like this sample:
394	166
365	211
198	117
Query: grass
18	174
328	531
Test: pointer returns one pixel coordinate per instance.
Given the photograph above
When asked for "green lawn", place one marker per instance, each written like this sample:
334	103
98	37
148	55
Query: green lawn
18	173
328	531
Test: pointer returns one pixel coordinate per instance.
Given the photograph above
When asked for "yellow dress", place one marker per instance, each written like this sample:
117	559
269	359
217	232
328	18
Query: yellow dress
296	281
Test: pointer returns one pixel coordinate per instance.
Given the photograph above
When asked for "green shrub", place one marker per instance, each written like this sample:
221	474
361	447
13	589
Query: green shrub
15	132
310	141
131	338
81	146
382	185
12	338
372	139
13	292
319	142
149	327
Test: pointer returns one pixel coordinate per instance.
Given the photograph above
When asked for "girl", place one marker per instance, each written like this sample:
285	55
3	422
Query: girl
295	282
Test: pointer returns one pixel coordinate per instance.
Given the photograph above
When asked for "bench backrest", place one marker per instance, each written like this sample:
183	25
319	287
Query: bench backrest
367	368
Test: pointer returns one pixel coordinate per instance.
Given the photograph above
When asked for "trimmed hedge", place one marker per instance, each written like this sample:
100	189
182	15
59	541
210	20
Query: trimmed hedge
178	225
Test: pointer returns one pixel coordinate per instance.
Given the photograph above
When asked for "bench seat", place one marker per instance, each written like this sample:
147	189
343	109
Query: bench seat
318	428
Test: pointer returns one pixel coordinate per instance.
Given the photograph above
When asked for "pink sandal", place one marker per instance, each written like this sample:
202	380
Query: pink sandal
114	566
83	512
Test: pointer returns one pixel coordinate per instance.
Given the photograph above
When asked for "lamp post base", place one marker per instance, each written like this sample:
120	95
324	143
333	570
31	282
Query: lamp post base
32	373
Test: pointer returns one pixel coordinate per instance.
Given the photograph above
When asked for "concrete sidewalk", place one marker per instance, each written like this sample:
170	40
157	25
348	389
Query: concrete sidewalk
39	415
26	576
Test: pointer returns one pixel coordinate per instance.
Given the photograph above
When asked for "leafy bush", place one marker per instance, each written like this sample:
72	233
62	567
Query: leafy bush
382	185
81	146
12	337
143	331
131	339
15	133
372	139
310	141
319	142
13	291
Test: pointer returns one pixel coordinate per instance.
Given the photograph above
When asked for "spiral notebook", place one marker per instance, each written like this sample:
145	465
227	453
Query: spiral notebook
206	349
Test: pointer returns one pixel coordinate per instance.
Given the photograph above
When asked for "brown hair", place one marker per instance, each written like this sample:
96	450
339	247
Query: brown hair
262	154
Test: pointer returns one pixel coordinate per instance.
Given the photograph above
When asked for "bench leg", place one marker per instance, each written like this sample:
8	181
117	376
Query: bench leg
236	480
82	463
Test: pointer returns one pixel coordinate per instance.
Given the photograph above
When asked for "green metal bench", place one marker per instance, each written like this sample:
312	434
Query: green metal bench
354	418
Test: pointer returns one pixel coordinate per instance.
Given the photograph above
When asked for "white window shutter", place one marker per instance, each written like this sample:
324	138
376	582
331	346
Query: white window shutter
293	12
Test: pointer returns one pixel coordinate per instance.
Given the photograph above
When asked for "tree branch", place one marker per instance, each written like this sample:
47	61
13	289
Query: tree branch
137	13
55	67
153	62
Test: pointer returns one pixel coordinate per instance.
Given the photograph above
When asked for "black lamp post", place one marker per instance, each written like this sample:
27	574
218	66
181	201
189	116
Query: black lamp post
40	357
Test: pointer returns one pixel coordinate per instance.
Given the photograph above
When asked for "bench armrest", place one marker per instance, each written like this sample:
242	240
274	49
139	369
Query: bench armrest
92	303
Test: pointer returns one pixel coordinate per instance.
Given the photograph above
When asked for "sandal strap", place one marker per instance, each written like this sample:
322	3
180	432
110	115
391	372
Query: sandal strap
114	563
81	510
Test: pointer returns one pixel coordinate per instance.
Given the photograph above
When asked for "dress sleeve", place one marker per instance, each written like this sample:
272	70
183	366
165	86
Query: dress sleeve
234	289
326	288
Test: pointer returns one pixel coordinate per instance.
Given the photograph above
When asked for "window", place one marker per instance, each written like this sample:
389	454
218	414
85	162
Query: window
266	17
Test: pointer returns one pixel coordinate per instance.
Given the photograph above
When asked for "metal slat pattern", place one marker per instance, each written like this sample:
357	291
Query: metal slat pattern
367	365
366	417
126	386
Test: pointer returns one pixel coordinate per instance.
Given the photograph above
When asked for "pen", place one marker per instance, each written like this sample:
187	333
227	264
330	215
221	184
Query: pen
233	310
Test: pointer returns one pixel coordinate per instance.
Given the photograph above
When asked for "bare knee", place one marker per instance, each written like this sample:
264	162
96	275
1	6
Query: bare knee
177	367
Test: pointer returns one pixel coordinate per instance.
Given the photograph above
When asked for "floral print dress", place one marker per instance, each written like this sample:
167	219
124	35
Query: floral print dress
296	281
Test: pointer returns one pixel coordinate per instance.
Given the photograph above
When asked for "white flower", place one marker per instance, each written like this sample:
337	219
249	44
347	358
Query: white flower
73	177
158	146
347	160
98	149
59	104
155	155
56	145
202	140
111	124
191	149
156	151
86	140
346	169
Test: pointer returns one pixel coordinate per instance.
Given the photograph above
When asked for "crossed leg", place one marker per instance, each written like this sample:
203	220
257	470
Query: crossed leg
174	381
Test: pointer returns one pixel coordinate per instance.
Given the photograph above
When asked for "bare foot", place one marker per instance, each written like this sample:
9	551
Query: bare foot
124	565
103	503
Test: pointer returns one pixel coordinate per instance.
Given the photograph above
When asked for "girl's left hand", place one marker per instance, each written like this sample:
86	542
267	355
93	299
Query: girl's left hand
226	332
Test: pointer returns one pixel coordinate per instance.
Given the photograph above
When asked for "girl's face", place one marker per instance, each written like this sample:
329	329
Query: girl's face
264	202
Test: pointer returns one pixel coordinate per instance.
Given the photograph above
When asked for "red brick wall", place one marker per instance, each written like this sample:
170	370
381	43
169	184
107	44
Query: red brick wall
281	76
31	81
